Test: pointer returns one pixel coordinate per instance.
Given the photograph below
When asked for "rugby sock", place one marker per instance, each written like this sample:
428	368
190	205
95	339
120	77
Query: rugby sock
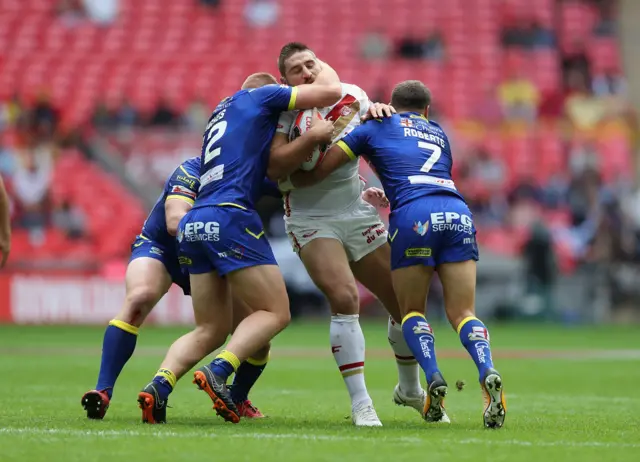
419	337
225	364
117	347
475	338
165	380
246	376
408	371
347	346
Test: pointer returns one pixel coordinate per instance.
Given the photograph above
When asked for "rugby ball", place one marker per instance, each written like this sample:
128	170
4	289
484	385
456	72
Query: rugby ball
300	126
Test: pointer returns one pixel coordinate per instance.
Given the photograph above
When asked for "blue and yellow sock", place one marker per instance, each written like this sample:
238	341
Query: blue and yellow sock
117	347
165	381
225	364
475	338
246	376
419	337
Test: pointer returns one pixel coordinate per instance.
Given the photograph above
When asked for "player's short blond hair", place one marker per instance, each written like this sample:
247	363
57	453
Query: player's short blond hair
259	79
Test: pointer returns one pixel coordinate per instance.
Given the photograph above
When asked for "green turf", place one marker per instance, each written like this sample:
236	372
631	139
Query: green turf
579	402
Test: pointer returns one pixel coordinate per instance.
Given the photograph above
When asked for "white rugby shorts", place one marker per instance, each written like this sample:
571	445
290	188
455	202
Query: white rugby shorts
359	229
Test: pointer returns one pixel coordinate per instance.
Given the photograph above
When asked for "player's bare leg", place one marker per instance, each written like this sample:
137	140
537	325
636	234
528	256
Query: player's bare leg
459	285
374	272
411	285
213	318
327	264
261	289
146	281
249	371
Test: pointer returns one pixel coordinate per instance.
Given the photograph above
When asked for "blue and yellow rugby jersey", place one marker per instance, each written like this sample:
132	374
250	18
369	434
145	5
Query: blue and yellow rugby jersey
183	184
411	155
236	142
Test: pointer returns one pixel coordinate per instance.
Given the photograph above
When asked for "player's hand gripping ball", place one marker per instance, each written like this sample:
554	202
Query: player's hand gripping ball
303	123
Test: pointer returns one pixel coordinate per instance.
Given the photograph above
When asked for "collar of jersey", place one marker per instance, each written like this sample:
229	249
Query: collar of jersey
415	115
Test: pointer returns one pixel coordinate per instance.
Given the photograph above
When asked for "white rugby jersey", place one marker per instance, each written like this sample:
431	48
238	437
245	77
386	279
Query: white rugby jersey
341	188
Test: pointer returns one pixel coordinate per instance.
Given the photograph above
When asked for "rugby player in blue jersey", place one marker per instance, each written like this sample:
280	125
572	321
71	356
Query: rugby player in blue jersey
223	246
153	267
430	229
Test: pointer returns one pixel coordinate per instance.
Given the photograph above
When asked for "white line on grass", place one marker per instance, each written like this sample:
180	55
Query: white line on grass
296	436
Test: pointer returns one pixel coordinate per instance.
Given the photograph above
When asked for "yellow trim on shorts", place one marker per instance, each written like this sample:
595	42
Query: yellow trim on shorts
188	200
347	150
259	362
464	321
393	236
124	326
413	314
231	204
257	236
292	101
142	236
187	173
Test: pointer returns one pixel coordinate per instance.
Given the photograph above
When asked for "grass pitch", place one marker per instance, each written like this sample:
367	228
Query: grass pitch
572	395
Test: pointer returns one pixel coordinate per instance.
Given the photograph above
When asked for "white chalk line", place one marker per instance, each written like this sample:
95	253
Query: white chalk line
296	436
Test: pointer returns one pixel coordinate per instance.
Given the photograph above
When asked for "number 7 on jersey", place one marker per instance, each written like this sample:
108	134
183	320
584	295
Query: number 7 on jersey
435	153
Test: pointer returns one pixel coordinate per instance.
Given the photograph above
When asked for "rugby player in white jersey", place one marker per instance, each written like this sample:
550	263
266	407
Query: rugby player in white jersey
340	239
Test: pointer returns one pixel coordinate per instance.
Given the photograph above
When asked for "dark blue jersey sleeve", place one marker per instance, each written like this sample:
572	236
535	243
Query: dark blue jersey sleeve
277	98
356	143
184	182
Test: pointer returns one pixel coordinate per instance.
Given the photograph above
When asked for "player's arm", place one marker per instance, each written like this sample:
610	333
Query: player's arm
344	151
285	158
316	95
327	76
5	226
183	188
174	210
334	159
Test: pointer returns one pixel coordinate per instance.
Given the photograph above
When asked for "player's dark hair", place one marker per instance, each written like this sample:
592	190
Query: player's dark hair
411	95
259	79
289	50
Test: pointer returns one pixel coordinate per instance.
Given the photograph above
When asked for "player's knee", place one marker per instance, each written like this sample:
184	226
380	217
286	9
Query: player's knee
211	337
344	299
455	317
138	304
283	318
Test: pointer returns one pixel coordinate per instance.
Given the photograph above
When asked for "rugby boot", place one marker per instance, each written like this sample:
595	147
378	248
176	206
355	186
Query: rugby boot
248	410
154	409
364	415
217	390
433	410
495	404
95	403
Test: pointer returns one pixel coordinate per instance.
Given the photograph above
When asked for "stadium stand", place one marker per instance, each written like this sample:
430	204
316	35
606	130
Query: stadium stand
535	64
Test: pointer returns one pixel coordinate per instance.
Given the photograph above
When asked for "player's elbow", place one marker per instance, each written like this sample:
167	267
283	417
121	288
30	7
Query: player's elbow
276	169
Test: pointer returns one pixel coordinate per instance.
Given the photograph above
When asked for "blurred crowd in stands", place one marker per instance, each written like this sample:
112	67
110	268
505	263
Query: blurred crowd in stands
578	214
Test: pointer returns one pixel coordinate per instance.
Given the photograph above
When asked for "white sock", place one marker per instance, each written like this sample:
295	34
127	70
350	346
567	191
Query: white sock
408	370
347	346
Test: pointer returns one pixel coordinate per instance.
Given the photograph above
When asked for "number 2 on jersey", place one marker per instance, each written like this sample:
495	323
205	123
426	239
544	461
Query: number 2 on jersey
435	151
215	133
